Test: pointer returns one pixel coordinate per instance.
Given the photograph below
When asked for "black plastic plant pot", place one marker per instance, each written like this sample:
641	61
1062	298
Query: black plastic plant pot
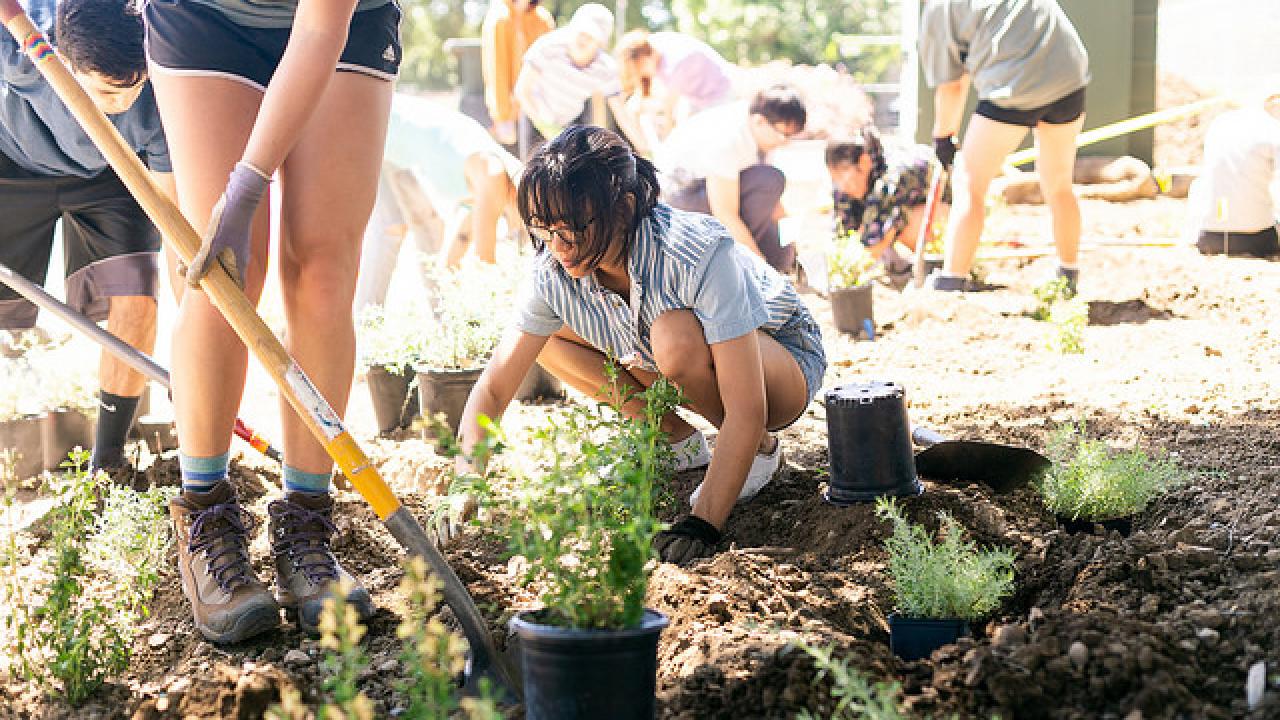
851	310
446	391
394	407
22	437
869	439
1122	525
538	384
589	674
63	431
915	638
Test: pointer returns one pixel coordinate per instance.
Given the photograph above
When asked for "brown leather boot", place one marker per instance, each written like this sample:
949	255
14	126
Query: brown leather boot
301	526
229	603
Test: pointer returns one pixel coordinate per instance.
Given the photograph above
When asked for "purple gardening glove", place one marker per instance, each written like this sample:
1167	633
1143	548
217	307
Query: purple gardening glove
227	239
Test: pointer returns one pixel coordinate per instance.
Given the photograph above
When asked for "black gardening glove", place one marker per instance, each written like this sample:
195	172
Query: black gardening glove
945	149
687	540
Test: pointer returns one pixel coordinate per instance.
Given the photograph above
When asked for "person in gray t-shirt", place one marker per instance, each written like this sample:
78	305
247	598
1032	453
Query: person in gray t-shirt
51	172
1029	69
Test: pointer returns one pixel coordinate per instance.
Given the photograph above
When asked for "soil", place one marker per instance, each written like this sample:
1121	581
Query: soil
1180	357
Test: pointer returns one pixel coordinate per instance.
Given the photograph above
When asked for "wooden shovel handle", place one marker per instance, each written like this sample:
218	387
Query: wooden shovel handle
225	294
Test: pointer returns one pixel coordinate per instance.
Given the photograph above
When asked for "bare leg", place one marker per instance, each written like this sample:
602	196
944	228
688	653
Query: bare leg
490	188
1055	166
986	144
132	318
208	122
329	182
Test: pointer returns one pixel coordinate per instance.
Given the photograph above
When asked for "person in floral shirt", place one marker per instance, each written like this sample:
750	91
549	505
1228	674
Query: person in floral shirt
880	192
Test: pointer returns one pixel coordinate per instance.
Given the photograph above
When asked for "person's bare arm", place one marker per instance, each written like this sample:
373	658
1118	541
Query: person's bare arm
948	106
316	40
630	126
525	82
497	385
740	377
723	197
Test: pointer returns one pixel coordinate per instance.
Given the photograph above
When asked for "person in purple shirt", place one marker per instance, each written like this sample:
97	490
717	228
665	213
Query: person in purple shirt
686	74
51	172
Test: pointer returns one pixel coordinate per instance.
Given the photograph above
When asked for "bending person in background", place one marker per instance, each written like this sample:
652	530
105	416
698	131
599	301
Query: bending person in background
1231	206
563	71
509	28
249	90
445	181
880	192
50	170
715	163
683	74
1029	69
667	292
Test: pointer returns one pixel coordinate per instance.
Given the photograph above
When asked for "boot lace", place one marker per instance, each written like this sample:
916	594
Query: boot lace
218	532
304	537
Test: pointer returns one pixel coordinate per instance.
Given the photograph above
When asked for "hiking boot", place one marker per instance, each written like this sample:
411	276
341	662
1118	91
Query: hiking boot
306	572
228	602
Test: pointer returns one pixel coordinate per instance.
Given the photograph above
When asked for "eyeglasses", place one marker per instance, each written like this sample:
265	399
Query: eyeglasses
566	236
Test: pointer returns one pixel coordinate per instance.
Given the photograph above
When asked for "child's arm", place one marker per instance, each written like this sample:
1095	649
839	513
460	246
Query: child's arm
740	376
497	385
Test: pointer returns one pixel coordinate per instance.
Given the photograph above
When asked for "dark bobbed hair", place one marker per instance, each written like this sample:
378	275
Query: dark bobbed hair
102	36
589	180
849	150
780	103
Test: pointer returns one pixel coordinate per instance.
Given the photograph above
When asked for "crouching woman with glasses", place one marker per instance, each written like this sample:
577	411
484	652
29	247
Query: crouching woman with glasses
668	293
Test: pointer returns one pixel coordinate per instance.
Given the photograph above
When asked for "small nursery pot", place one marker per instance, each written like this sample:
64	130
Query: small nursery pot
61	432
869	440
588	674
23	436
851	310
394	407
1122	525
915	638
538	384
446	391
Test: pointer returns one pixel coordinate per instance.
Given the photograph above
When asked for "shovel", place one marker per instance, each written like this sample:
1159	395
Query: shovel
312	408
1004	468
940	177
133	357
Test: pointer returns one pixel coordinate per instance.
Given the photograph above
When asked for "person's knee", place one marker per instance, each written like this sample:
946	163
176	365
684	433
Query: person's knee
316	282
679	346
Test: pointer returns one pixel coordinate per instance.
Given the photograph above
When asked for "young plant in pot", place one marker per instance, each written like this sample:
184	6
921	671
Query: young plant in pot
470	306
1089	485
389	344
21	418
68	390
583	522
850	269
939	586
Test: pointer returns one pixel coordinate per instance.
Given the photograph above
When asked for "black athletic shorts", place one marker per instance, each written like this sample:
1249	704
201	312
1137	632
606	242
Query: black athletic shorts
1263	243
109	245
1059	112
190	38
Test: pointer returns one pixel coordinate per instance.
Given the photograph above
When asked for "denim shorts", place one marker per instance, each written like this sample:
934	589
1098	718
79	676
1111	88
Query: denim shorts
804	341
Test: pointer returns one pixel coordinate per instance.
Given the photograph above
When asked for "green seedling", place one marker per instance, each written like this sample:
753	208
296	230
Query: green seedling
340	634
856	697
434	657
849	264
948	578
1048	295
1069	320
67	637
1089	481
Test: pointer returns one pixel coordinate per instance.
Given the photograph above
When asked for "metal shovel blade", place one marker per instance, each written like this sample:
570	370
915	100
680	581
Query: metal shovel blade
1004	468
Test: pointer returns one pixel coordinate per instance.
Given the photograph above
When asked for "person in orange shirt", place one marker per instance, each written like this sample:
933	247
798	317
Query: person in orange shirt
510	27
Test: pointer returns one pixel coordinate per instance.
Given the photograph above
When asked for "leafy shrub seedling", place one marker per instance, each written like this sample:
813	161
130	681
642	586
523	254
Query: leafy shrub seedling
848	263
950	578
1089	481
1049	294
856	697
1056	305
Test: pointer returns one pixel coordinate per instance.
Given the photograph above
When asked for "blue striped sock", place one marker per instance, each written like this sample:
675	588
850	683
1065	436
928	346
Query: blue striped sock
200	474
296	480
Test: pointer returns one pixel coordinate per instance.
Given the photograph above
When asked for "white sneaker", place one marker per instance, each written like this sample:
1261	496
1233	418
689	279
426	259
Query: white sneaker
691	452
764	468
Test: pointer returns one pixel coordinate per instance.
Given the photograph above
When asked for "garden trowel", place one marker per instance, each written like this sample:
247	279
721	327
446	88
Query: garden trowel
1004	468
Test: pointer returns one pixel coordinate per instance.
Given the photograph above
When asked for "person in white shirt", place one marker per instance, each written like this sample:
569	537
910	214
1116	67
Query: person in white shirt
1232	207
714	163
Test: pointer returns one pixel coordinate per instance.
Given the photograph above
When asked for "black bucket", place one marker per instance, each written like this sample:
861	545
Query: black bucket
589	674
915	638
869	440
394	405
